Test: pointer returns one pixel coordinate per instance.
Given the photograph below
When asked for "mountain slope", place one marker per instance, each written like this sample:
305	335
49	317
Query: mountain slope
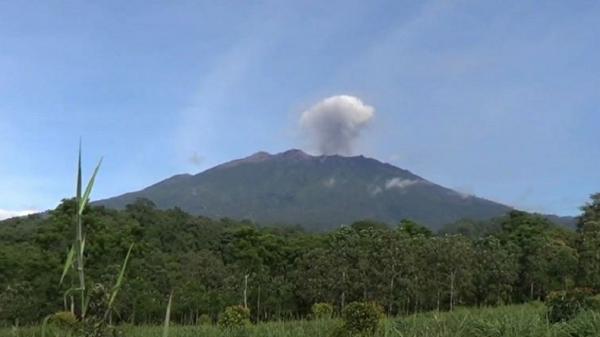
318	192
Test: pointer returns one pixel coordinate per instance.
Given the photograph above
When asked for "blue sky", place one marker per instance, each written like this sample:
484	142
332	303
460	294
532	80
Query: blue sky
496	98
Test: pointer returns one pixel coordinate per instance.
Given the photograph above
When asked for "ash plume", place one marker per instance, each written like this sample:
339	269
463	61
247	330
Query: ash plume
335	123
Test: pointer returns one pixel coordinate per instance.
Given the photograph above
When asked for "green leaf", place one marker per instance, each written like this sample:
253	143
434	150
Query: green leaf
88	190
79	176
117	286
68	264
71	291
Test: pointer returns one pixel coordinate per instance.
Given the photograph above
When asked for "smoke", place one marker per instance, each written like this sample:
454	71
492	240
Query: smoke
335	123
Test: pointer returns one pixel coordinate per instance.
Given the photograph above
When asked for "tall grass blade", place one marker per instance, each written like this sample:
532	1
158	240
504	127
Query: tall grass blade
45	325
79	235
117	286
82	200
167	317
78	192
88	190
68	264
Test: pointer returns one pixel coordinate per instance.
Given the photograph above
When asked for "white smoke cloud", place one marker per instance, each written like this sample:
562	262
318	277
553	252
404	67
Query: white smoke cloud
399	183
335	123
7	214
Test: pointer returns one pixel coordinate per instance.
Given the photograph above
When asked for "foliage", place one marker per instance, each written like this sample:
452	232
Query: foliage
235	316
527	320
588	243
322	310
64	320
406	269
412	228
564	305
90	307
360	319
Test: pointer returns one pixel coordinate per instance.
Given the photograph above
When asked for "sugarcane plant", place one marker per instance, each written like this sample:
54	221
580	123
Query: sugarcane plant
76	321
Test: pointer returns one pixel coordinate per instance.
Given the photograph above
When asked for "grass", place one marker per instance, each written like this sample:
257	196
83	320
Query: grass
509	321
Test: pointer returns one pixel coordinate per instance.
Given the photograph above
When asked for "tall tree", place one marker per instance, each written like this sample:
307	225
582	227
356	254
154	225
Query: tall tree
589	243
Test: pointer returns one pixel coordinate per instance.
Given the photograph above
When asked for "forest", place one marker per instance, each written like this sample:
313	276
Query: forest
280	272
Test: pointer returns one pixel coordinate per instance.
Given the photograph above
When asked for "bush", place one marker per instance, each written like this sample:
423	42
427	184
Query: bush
564	305
322	311
234	317
360	319
64	320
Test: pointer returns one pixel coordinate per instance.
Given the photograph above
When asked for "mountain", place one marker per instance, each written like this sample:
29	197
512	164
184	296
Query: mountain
318	192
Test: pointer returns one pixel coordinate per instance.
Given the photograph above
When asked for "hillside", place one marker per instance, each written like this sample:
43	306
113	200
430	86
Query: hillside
319	192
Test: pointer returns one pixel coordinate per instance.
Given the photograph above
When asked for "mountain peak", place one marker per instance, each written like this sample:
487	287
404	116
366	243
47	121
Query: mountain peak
295	154
254	158
260	155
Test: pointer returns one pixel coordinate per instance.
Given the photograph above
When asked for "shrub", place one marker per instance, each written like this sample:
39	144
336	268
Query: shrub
234	317
64	320
360	319
564	305
322	311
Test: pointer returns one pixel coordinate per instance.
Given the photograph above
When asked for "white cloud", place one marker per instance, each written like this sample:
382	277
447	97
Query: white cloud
464	192
399	183
375	190
7	214
336	122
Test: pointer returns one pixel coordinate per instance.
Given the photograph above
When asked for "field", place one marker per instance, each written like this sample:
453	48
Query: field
509	321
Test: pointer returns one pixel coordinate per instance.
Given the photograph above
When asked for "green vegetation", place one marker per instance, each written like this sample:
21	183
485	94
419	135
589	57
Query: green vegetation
87	310
566	304
508	321
322	311
360	319
235	316
281	272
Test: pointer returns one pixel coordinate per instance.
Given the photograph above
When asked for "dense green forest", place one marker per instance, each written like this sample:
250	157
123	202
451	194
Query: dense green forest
280	272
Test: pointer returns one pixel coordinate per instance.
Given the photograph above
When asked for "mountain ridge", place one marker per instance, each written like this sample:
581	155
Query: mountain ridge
318	192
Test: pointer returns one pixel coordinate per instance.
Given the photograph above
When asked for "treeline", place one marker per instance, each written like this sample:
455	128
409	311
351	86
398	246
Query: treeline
280	272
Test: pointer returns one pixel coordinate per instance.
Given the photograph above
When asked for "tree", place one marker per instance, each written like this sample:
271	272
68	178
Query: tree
530	233
412	228
497	271
588	246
